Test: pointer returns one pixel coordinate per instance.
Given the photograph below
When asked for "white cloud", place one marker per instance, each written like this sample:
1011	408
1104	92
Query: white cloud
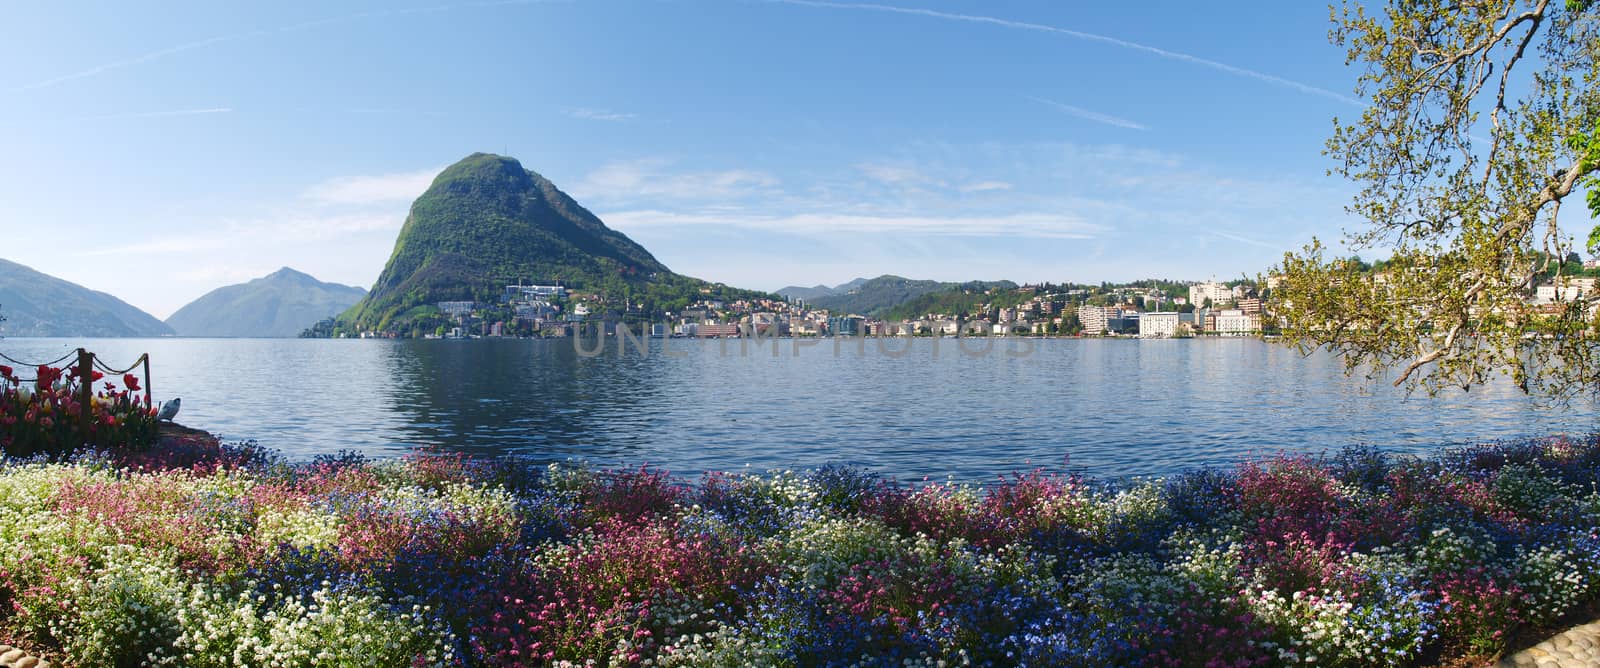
287	229
985	186
653	178
317	227
160	114
600	114
258	33
166	246
1023	225
897	175
366	190
215	274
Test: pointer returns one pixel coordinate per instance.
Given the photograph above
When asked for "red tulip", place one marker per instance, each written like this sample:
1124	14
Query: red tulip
131	382
48	376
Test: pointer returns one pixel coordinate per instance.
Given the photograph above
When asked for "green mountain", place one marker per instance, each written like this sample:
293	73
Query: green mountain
487	222
878	295
965	299
894	295
819	291
281	304
36	304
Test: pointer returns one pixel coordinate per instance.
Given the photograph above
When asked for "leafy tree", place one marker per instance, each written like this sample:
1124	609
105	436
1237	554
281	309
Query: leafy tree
1070	323
1483	117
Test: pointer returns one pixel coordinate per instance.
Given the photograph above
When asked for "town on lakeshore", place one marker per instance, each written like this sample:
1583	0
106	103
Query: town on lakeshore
1141	309
1147	309
1255	450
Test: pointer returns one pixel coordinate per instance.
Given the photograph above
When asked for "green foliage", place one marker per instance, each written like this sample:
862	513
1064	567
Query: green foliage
879	295
1480	123
965	299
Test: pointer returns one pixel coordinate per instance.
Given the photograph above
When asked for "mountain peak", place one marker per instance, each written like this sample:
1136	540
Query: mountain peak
483	168
486	221
280	304
286	272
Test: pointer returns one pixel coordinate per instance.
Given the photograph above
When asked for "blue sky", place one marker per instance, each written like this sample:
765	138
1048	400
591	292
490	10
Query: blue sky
159	152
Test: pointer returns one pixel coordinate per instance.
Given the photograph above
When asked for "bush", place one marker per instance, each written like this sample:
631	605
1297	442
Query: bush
210	555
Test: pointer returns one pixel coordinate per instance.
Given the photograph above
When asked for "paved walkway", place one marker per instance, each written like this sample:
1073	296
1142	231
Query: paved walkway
1577	647
11	657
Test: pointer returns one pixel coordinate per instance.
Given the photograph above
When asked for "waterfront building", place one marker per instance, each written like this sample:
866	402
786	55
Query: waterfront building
1158	324
1126	322
1093	318
1235	322
847	325
712	329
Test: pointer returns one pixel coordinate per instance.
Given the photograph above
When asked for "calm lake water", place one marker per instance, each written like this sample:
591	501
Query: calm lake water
1110	407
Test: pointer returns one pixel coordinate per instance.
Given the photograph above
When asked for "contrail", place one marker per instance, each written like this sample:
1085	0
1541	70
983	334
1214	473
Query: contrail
158	114
1095	116
1078	34
1245	240
190	46
153	55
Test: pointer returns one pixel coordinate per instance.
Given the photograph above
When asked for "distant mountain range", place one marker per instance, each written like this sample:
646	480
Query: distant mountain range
281	304
485	223
808	294
878	296
37	304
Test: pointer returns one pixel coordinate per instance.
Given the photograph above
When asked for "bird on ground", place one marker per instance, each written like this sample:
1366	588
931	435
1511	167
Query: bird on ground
169	410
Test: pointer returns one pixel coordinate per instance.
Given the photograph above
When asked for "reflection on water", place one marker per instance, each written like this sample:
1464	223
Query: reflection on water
1115	407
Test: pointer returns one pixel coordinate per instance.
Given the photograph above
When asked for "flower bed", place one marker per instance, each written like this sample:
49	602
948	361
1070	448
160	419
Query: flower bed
44	415
196	554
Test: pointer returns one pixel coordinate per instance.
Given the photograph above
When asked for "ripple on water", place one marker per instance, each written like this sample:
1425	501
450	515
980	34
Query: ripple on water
1111	408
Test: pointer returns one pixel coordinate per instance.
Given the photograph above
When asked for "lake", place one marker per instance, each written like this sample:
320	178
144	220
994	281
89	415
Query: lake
910	409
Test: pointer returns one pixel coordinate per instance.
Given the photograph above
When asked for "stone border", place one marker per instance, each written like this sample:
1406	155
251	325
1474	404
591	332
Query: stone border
1577	647
11	657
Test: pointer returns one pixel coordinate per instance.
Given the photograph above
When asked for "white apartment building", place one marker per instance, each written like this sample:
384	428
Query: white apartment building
534	292
1093	318
1570	290
1234	322
1212	290
1158	324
